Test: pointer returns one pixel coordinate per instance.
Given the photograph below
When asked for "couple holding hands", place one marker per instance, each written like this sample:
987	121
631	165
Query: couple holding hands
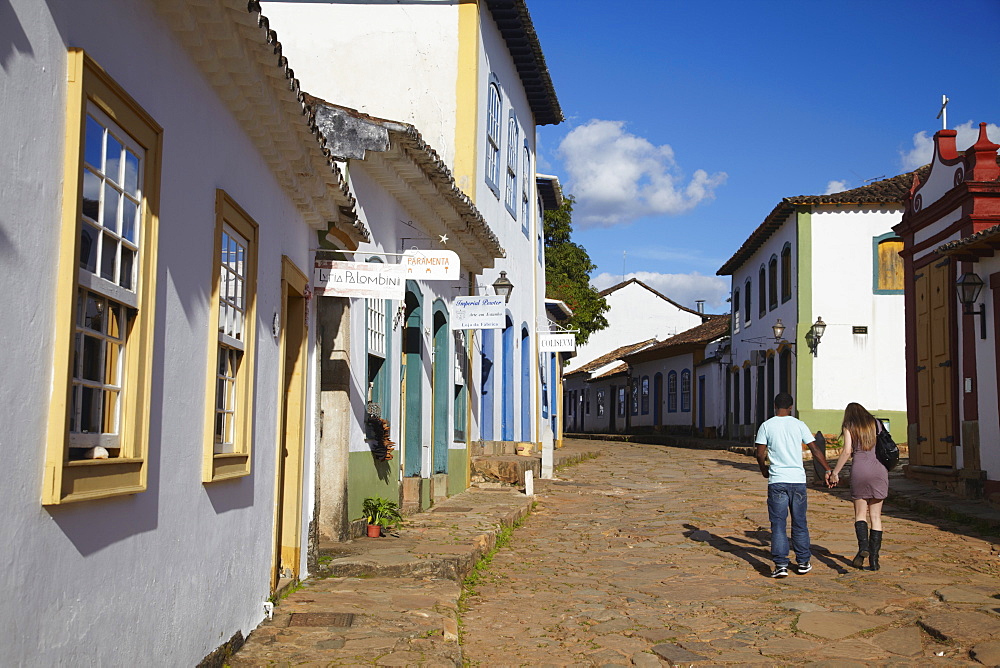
779	440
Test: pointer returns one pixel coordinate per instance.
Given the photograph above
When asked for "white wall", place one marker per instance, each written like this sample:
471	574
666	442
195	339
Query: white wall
866	368
986	368
184	565
387	60
635	314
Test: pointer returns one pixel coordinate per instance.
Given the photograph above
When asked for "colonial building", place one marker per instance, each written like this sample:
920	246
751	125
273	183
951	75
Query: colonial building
158	236
472	77
817	310
950	233
678	385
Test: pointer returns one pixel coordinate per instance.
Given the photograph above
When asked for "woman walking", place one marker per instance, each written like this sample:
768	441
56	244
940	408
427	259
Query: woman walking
869	481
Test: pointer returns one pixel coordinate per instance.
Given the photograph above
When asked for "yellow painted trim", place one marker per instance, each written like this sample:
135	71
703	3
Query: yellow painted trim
291	430
235	464
467	131
64	481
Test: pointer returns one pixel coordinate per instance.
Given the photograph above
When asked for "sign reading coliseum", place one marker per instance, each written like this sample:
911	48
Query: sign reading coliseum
372	280
556	343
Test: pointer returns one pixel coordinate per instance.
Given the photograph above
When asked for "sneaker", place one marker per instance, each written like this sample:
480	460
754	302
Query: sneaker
780	572
802	569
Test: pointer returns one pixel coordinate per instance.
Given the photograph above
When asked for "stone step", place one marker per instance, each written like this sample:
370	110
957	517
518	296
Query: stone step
508	469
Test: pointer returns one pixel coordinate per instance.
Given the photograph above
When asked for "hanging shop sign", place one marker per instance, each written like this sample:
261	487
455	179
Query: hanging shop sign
556	343
372	280
481	312
428	265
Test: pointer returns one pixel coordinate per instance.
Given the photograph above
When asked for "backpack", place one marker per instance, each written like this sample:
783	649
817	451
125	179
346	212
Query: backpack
885	448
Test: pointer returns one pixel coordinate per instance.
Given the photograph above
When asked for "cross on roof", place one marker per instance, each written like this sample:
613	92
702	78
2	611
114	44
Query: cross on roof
943	114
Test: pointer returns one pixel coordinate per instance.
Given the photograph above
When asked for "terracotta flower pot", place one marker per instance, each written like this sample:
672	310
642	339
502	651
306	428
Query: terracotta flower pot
374	531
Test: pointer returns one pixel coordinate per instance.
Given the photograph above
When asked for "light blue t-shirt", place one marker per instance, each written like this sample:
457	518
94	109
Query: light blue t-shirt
784	435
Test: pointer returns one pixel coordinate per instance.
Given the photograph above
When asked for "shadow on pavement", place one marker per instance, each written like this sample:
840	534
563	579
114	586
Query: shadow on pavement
755	549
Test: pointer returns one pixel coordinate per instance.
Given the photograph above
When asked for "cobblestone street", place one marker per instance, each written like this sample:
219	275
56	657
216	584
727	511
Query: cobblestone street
650	555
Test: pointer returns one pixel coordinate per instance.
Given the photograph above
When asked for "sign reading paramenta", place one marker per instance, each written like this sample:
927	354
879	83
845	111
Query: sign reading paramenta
372	280
556	343
427	265
478	313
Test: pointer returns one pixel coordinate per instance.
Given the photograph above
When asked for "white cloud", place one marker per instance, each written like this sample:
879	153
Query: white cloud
682	288
618	177
923	145
835	187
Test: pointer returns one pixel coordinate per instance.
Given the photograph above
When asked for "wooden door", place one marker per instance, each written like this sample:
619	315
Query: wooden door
935	369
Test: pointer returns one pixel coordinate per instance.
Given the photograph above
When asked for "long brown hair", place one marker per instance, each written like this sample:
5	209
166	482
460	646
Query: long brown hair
861	424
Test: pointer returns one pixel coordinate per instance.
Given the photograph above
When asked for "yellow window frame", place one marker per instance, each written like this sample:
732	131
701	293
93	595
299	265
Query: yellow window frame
66	481
223	466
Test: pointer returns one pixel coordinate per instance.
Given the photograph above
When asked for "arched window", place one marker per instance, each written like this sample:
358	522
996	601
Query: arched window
772	283
736	311
786	273
672	392
686	391
511	192
746	396
747	302
493	137
525	180
888	265
762	291
644	392
736	396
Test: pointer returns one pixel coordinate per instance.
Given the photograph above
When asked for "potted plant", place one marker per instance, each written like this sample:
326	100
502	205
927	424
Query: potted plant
381	514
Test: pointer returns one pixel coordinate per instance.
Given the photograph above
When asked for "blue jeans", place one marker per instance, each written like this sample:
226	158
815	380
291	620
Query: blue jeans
783	497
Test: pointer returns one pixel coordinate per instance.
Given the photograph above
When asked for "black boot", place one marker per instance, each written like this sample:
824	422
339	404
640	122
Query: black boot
874	544
861	531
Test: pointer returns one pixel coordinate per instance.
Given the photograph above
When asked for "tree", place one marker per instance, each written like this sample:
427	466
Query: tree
567	273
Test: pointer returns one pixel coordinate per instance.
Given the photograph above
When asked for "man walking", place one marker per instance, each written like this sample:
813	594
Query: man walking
780	440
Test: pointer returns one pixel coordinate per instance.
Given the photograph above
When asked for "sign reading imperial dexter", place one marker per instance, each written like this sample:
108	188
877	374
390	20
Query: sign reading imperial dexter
556	343
427	265
478	313
373	280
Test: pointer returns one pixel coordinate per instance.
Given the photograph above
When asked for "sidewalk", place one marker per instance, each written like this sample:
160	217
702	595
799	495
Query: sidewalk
395	601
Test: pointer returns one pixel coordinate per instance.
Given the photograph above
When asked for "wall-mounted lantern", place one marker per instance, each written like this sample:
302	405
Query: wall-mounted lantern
503	287
814	335
968	286
779	330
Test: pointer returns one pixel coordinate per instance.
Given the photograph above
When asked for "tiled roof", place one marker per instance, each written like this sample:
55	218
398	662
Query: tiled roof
619	286
703	334
983	243
610	357
617	370
889	191
514	22
550	190
408	158
241	59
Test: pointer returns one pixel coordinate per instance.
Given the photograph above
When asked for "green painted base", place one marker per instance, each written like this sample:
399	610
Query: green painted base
829	422
368	477
458	467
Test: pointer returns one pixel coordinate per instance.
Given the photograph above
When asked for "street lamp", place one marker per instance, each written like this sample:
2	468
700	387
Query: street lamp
503	287
968	286
779	329
814	334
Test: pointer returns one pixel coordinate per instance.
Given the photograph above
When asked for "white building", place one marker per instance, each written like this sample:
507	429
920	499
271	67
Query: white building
157	235
635	311
831	257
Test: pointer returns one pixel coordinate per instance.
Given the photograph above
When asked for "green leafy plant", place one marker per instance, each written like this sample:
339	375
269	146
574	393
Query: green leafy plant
381	512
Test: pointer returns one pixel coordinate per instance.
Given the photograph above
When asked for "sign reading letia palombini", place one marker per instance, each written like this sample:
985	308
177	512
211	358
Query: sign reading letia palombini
478	313
427	265
372	280
556	343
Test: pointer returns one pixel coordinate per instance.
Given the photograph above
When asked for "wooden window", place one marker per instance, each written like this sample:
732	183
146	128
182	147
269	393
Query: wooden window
493	106
634	391
98	424
672	392
762	291
511	192
736	396
888	269
600	403
686	391
461	398
747	302
772	283
525	180
230	416
645	395
621	402
786	273
736	311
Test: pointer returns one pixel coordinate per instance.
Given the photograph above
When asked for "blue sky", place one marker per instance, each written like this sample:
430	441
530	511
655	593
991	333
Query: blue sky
687	122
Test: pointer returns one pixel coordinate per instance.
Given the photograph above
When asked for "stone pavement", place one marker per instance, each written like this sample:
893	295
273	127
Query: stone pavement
648	555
